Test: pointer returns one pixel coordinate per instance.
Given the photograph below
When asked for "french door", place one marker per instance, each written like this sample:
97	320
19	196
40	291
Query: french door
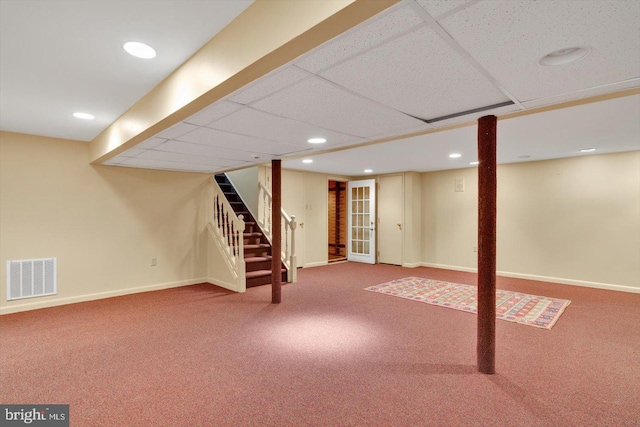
362	221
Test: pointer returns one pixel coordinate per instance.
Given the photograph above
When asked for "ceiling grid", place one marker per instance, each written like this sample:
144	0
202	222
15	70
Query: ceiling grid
417	61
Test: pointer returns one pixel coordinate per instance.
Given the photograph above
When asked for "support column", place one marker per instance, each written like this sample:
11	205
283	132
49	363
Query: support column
276	230
487	191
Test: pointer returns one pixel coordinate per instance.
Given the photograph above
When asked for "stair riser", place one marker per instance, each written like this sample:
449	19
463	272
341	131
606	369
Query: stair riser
255	266
265	280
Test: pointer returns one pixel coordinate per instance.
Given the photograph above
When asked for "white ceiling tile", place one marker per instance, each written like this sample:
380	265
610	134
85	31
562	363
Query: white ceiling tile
385	26
176	130
321	103
405	131
151	142
437	8
222	155
509	37
602	90
531	134
419	85
218	138
132	152
275	81
262	125
212	112
181	158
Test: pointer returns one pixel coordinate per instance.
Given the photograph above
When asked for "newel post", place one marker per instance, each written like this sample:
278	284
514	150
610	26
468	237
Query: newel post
293	261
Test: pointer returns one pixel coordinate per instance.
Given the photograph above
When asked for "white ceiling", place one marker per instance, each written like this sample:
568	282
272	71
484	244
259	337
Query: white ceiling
59	57
609	126
419	60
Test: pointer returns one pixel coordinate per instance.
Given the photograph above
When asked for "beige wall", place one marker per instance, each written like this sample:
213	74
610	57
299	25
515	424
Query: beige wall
573	220
104	224
412	255
245	181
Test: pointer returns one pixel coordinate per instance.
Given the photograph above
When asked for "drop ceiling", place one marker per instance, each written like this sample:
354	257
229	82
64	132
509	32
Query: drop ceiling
400	73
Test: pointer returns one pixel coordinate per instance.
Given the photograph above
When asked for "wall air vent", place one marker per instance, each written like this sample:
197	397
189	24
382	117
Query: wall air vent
31	278
464	113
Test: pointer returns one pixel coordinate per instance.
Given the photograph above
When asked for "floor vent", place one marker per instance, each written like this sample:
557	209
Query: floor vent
31	278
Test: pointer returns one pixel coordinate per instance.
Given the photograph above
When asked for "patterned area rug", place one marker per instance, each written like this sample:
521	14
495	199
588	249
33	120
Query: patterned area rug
532	310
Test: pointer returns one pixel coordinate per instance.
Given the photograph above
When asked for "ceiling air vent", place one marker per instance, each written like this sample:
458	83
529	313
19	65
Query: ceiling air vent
31	278
464	113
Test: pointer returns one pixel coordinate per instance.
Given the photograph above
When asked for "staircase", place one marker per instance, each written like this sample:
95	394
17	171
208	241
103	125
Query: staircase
257	249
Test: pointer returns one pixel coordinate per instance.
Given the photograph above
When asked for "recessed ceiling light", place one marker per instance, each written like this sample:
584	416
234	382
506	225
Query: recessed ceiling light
587	150
474	163
316	140
307	161
524	156
368	170
564	56
455	155
84	116
139	50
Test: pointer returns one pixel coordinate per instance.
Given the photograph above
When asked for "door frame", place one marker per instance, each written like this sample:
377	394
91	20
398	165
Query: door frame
372	257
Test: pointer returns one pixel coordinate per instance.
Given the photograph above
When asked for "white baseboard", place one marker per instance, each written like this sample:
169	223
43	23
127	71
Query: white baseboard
412	264
449	267
316	264
34	305
572	282
560	280
227	285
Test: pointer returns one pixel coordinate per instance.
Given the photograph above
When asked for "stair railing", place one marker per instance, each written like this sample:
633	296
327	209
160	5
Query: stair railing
227	230
288	231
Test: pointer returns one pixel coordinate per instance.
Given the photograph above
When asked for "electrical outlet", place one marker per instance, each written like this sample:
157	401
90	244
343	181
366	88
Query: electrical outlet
154	262
475	249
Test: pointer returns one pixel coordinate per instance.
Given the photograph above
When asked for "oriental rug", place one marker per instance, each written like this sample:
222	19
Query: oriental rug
532	310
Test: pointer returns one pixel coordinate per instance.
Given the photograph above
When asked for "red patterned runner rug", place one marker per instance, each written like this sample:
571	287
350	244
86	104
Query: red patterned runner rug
532	310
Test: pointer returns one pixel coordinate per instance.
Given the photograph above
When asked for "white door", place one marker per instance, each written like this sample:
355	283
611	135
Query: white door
390	219
362	221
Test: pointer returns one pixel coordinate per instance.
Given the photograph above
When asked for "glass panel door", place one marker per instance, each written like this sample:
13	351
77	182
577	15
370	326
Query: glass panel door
362	221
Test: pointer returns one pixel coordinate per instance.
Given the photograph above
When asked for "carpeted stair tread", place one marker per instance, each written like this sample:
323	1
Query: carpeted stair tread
258	246
257	259
257	273
252	234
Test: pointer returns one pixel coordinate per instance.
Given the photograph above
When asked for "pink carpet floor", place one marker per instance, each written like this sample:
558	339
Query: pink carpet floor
330	354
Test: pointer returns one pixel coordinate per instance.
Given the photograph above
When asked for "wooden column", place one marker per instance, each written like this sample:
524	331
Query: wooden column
276	230
487	190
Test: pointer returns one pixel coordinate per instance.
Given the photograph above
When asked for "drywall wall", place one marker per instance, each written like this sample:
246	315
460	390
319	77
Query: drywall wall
104	224
412	219
574	220
316	194
245	181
